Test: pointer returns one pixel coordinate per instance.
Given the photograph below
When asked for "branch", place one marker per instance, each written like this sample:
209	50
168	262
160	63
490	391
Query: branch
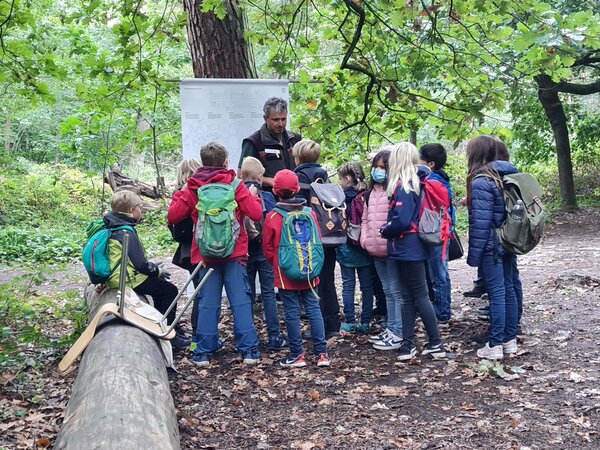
579	89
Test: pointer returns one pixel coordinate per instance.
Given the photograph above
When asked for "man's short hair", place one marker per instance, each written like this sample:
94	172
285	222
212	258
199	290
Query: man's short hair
251	169
124	200
275	104
213	155
435	153
306	151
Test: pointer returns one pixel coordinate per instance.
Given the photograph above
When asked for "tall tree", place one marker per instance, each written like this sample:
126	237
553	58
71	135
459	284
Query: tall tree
216	38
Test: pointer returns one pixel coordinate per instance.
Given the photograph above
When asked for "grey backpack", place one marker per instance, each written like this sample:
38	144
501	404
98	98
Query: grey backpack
328	201
520	233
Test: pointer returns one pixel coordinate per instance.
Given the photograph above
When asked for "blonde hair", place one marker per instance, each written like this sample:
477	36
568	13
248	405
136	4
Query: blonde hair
404	158
356	172
185	170
306	151
124	200
251	169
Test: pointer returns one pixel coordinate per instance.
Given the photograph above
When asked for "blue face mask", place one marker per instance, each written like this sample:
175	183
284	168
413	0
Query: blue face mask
378	175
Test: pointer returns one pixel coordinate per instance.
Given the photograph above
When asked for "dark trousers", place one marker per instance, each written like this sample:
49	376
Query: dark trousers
330	307
412	282
162	292
380	300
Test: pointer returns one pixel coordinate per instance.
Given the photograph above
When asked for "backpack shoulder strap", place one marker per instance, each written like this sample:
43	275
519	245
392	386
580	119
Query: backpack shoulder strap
235	183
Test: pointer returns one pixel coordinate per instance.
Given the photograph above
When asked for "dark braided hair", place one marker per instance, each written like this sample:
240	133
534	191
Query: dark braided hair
354	170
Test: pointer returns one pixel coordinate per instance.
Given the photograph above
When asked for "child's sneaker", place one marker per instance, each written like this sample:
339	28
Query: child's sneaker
180	341
251	357
277	343
389	342
407	351
202	360
375	338
323	360
363	328
293	361
488	352
348	327
510	347
436	351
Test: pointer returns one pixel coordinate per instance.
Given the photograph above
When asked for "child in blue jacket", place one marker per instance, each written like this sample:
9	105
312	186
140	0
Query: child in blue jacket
406	252
486	214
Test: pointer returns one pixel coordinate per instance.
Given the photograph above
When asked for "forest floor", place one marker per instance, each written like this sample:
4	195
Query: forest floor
547	396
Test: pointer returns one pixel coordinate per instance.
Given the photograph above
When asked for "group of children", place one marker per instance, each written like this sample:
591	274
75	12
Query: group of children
388	249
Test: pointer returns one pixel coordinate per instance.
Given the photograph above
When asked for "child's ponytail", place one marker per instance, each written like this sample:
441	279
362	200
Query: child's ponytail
356	172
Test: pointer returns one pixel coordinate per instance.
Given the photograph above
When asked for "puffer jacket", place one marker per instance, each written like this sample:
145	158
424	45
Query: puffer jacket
486	213
374	216
349	255
401	229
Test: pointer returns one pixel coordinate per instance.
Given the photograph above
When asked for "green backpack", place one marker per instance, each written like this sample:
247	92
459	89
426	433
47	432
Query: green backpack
519	234
217	229
301	252
95	252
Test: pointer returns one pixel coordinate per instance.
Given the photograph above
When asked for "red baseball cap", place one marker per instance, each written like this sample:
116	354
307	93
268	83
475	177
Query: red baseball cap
285	180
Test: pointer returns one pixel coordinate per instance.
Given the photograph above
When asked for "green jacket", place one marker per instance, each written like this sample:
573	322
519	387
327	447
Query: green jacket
138	268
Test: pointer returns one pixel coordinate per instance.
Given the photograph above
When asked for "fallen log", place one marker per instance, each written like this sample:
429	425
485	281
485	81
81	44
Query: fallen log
121	398
117	180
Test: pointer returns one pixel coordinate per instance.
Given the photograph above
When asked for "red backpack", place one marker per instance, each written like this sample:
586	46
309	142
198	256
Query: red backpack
434	217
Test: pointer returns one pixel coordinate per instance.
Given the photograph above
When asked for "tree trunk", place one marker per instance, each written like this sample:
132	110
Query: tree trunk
550	100
121	398
218	46
413	136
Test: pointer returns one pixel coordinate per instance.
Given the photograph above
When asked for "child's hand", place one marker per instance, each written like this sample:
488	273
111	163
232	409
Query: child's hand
253	190
463	201
162	273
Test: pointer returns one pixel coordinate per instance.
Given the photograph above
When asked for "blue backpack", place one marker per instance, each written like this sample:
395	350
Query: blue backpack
95	252
301	252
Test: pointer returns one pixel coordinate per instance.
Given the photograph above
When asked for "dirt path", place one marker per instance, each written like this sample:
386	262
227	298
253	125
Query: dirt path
368	400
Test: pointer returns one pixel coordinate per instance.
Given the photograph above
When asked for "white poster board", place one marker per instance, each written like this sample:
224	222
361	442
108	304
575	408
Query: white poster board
224	111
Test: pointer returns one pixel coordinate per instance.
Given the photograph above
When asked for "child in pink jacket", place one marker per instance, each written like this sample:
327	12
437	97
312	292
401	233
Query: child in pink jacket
374	216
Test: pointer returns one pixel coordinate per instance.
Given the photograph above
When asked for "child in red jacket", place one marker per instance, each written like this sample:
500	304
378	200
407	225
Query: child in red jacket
292	292
230	271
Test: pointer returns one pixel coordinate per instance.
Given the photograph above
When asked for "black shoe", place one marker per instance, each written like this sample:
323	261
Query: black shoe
406	352
180	342
331	334
475	293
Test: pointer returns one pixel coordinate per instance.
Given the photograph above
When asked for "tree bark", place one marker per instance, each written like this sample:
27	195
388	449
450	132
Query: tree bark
121	398
218	46
550	100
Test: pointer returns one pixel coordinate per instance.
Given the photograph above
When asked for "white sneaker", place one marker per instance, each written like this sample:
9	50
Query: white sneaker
488	352
389	342
375	338
510	347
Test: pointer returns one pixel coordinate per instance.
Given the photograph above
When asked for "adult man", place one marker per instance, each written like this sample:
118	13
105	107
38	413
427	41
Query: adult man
272	144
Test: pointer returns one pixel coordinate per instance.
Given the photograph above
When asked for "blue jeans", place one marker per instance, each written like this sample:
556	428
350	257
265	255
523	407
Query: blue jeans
292	301
497	270
440	282
412	283
392	295
365	277
518	286
257	262
234	277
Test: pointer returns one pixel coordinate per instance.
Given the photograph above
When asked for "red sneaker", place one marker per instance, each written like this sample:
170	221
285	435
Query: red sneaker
323	360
